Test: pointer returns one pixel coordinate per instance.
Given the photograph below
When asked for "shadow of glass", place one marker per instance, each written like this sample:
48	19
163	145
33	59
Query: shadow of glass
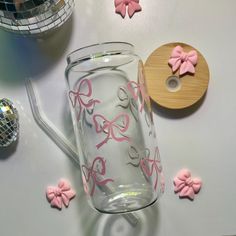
177	113
115	225
23	57
94	223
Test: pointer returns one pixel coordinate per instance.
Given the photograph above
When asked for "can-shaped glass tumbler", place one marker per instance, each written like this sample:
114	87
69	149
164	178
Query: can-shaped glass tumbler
113	125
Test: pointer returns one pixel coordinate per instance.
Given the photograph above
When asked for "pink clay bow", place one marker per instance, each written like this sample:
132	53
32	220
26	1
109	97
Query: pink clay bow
184	61
83	98
62	193
93	172
132	5
109	127
185	185
155	166
137	89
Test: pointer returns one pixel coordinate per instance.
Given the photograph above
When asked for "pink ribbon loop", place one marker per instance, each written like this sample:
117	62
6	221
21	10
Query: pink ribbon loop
155	166
112	128
185	185
184	61
95	172
136	90
83	99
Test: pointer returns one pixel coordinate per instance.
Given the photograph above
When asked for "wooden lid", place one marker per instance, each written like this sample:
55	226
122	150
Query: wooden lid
170	90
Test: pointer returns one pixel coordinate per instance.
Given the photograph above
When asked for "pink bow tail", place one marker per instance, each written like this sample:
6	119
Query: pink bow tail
56	202
67	196
187	66
149	172
120	8
133	7
175	63
99	183
104	141
187	192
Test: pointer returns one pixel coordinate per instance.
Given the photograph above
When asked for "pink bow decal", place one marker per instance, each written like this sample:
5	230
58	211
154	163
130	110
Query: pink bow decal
136	155
162	183
185	185
132	5
155	166
95	172
63	193
83	98
184	61
111	128
136	90
127	102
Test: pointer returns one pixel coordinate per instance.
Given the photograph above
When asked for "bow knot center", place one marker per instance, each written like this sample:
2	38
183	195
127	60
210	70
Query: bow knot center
189	182
184	56
57	192
126	2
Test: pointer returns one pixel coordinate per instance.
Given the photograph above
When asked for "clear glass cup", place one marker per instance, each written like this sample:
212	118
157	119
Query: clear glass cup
112	118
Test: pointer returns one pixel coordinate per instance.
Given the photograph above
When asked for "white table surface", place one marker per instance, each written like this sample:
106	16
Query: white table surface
202	139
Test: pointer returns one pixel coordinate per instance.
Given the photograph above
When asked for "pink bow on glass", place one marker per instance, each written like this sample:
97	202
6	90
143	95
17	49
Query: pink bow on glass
185	185
62	193
132	5
155	166
184	61
111	128
83	98
95	172
136	90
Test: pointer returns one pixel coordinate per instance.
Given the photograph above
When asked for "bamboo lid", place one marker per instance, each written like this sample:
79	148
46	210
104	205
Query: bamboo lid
170	90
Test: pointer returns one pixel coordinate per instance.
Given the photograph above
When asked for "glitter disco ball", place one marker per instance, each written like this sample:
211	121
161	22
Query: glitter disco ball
9	123
34	16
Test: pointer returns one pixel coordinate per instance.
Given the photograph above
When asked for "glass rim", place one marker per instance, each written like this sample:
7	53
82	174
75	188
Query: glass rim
121	46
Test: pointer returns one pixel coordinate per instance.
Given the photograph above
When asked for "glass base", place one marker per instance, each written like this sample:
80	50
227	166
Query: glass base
125	202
